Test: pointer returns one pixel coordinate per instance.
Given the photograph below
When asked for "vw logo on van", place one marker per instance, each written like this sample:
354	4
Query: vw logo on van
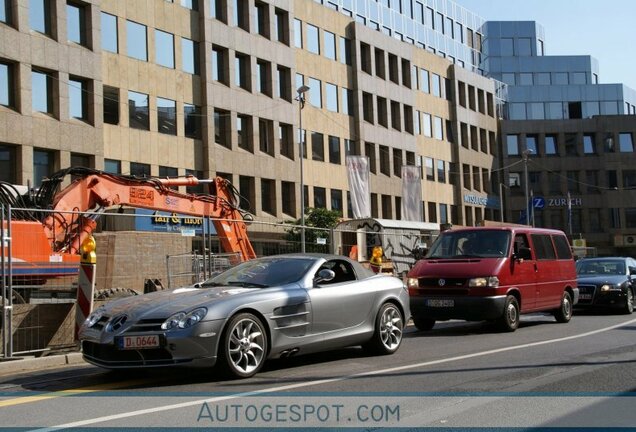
441	282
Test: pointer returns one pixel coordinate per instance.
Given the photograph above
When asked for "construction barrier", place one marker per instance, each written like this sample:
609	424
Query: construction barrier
86	285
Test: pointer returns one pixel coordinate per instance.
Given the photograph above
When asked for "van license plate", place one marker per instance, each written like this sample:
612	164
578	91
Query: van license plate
440	303
138	342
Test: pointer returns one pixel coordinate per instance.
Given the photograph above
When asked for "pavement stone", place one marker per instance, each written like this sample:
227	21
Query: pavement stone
30	364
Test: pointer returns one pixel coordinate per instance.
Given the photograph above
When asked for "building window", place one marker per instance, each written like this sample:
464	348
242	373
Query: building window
385	164
218	10
109	33
288	195
512	145
594	220
397	162
220	65
221	128
262	19
111	105
429	170
432	212
167	172
436	83
8	164
367	107
396	121
138	110
282	26
365	58
164	49
192	121
42	91
551	145
40	12
284	83
589	146
139	169
5	11
573	181
43	161
190	56
334	150
244	132
247	192
76	23
427	127
629	179
441	171
345	51
313	42
369	151
439	128
6	85
626	144
571	145
615	217
266	136
387	209
167	116
78	98
242	71
380	67
317	147
264	77
320	197
336	200
330	45
241	15
136	41
331	93
383	117
315	94
112	166
630	217
591	180
298	33
286	140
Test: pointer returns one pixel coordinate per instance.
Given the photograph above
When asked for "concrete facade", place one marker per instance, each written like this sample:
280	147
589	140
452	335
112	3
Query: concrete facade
248	68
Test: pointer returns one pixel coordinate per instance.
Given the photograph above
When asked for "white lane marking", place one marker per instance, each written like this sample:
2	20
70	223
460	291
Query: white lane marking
82	423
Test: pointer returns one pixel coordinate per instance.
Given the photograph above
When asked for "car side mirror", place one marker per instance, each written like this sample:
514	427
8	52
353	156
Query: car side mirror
523	254
324	275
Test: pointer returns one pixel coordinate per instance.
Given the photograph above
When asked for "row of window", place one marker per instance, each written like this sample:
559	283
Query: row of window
259	21
478	139
565	110
572	144
326	45
475	99
548	78
577	181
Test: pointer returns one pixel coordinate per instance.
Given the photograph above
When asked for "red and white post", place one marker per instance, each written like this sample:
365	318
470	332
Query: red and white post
86	285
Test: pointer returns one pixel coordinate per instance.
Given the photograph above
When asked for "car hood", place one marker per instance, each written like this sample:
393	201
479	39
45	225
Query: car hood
162	304
600	279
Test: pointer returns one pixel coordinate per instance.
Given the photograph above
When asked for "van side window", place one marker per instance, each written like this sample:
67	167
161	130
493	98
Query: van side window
521	241
543	249
562	247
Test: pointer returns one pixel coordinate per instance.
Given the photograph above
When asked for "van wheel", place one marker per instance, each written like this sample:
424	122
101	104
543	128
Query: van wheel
423	324
564	313
629	302
509	321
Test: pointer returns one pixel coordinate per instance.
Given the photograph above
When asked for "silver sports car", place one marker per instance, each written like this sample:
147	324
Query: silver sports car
265	308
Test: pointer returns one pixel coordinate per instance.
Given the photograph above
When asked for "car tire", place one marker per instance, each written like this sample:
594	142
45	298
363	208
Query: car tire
423	324
243	347
509	321
629	302
564	313
388	332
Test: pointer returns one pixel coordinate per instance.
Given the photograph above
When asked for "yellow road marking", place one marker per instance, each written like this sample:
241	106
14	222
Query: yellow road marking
70	392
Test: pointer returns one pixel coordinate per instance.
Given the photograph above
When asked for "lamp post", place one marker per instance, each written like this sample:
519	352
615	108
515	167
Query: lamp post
501	201
301	103
525	154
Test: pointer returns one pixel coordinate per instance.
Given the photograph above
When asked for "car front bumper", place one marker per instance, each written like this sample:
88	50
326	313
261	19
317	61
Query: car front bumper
464	308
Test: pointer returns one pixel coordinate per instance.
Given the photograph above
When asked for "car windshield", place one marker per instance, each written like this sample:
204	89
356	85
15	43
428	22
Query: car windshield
471	244
262	273
600	267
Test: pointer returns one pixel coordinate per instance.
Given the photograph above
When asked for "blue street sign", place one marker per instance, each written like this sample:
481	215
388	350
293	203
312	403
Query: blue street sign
538	203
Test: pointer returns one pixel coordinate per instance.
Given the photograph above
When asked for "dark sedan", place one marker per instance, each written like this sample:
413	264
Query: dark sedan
607	282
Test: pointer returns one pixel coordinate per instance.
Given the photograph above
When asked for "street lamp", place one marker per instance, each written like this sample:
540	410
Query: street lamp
301	103
525	154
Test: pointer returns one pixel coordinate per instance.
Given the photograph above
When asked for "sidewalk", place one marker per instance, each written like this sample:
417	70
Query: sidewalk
30	364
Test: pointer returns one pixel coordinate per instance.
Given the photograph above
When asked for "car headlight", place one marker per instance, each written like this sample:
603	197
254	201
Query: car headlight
192	318
483	282
606	288
94	317
173	321
412	283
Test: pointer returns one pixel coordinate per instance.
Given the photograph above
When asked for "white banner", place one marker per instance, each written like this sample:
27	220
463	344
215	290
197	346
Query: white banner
411	193
358	174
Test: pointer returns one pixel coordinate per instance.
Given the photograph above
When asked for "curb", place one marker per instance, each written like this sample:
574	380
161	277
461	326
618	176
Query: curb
29	364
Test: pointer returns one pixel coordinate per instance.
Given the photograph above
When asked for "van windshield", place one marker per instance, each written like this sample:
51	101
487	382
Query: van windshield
471	244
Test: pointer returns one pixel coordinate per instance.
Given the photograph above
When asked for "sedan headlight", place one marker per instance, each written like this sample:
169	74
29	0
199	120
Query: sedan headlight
173	321
483	282
610	287
192	318
94	317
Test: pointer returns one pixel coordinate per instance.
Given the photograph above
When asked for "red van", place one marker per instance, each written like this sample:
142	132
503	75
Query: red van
494	274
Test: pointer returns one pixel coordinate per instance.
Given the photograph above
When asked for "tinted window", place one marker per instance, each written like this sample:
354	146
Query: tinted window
543	249
562	247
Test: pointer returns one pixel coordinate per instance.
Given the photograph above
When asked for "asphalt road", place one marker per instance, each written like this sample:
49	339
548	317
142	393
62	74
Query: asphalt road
545	374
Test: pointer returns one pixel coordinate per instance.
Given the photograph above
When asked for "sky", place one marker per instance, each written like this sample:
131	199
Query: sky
602	29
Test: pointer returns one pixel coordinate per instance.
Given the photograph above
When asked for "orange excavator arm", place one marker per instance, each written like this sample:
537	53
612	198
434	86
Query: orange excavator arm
68	225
